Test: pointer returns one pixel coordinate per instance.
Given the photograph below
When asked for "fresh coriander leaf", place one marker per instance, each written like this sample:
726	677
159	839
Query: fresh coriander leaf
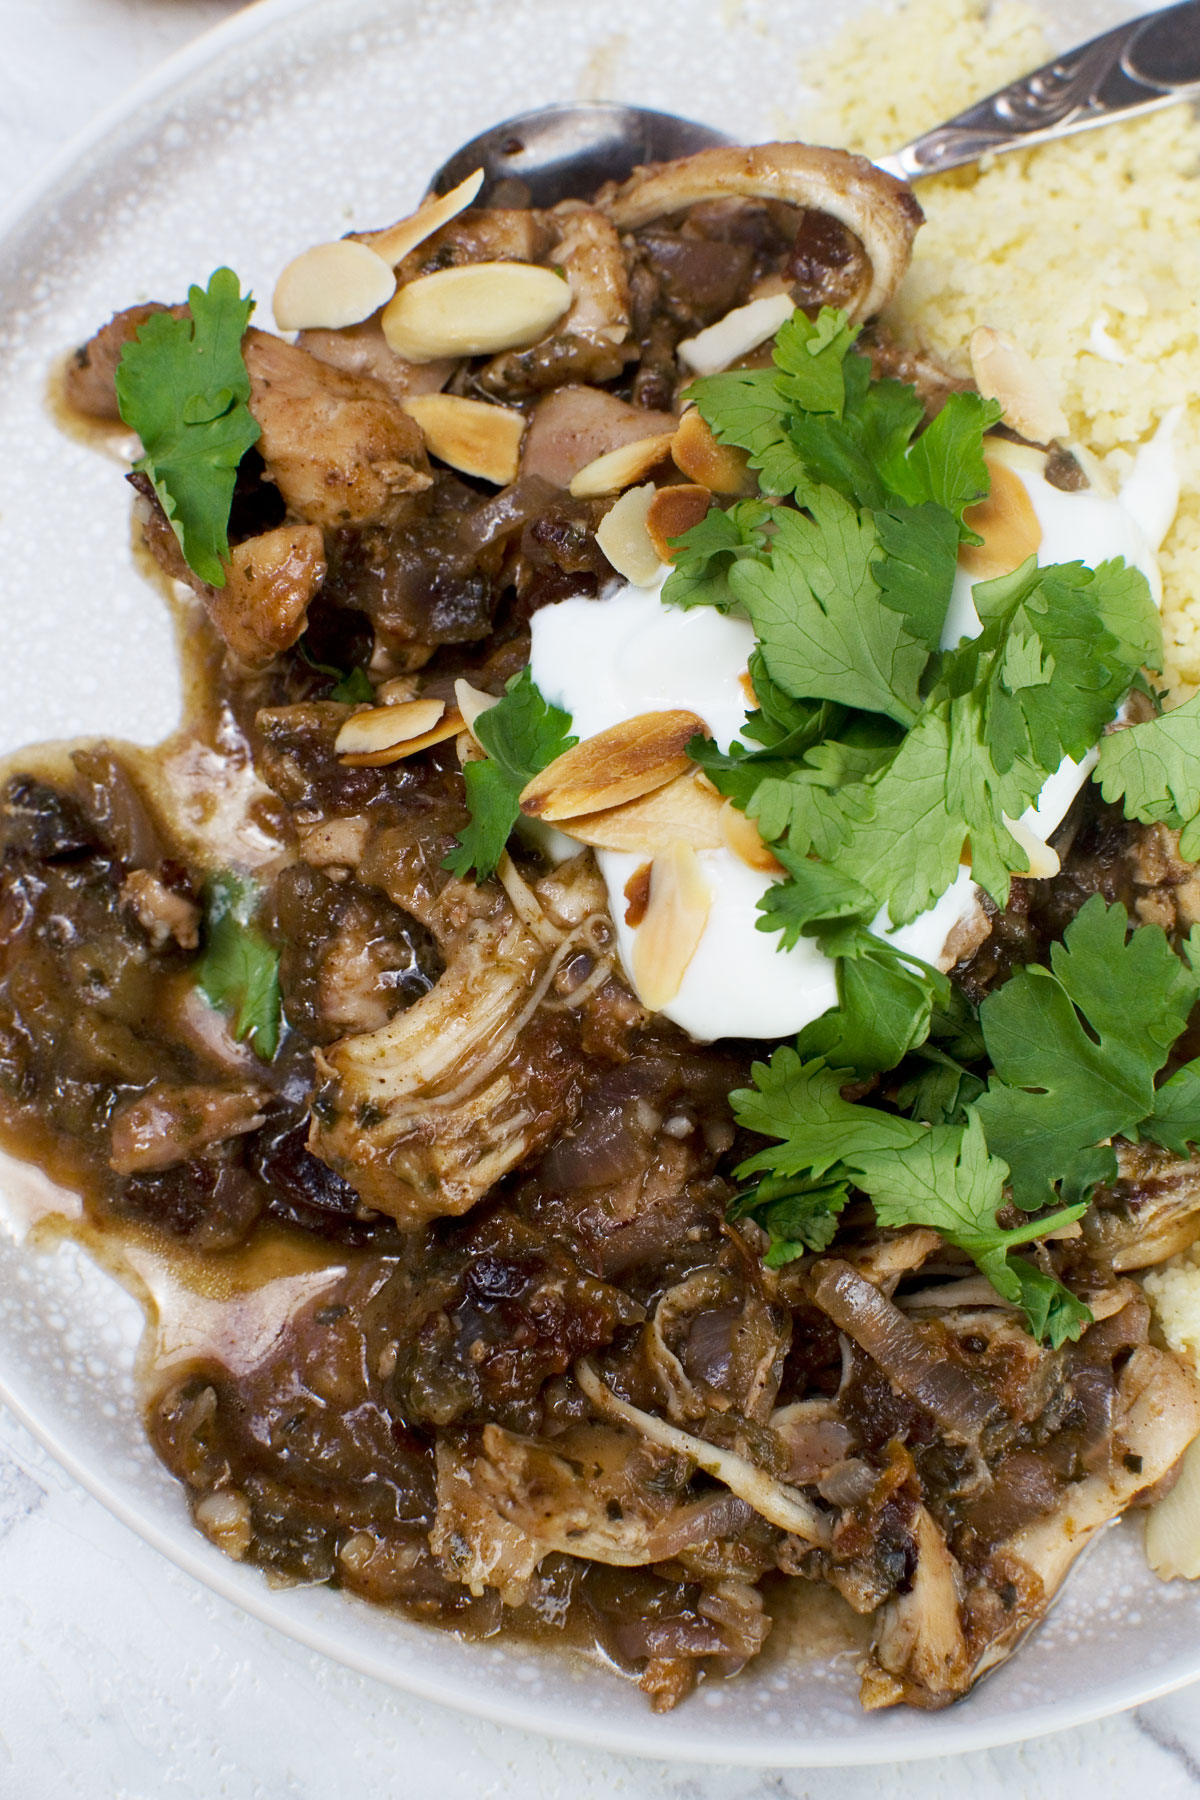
353	688
522	734
948	1180
1062	686
1175	1121
823	633
494	808
705	554
946	464
797	1214
916	571
350	686
810	355
782	725
1126	605
815	894
1154	769
1052	1310
942	1089
238	971
801	1104
884	1011
1075	1050
182	386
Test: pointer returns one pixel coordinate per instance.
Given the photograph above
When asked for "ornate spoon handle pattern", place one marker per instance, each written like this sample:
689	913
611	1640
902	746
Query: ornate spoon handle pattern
1137	67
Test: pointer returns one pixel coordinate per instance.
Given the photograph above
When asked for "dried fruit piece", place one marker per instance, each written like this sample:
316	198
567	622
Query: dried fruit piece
475	438
1005	372
1006	522
741	835
687	810
718	467
394	244
673	511
385	734
615	765
739	332
331	286
621	467
624	539
474	310
670	932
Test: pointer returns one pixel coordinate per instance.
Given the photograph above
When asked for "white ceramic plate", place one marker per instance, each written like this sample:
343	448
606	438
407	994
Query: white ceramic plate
294	122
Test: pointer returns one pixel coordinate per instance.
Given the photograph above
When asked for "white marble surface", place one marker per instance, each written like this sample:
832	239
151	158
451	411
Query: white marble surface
120	1677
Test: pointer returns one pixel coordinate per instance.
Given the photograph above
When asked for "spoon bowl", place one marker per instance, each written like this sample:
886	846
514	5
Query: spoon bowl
558	151
569	151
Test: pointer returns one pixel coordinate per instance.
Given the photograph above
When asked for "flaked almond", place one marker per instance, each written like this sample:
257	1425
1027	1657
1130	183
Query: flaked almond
331	286
624	539
746	683
386	734
670	932
382	727
471	702
718	467
739	332
616	765
1043	861
621	467
474	310
473	437
687	810
741	835
1005	521
394	244
673	511
468	749
1005	372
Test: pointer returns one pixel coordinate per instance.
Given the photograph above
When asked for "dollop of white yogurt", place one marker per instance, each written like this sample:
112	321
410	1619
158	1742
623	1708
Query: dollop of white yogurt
610	659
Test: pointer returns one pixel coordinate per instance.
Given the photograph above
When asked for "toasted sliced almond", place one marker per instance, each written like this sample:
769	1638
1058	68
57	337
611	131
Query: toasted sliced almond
471	436
474	310
745	682
1005	372
385	734
621	467
330	286
1005	521
670	932
673	511
1043	861
624	539
616	765
468	749
394	244
742	837
739	332
471	702
382	727
718	467
685	811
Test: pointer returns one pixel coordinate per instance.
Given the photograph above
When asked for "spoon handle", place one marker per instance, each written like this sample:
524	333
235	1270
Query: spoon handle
1137	67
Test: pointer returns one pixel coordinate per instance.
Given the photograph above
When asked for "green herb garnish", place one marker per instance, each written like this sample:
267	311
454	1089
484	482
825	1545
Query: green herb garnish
182	386
238	970
522	734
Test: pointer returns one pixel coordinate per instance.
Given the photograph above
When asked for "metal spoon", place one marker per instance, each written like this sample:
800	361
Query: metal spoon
571	150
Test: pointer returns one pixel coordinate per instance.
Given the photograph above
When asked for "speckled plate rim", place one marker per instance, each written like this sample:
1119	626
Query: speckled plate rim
170	1532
